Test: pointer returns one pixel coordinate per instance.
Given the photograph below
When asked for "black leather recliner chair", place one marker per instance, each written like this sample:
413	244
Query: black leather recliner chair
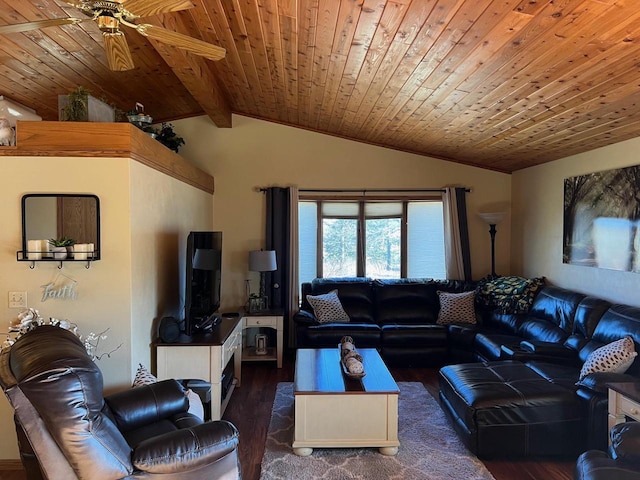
621	463
68	430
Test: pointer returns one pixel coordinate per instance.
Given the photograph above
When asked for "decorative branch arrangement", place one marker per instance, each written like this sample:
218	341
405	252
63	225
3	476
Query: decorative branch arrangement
30	319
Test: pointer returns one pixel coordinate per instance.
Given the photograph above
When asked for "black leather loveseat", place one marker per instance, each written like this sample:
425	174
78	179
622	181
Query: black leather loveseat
398	317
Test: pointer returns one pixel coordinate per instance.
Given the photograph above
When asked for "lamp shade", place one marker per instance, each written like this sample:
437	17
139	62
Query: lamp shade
262	261
206	259
492	218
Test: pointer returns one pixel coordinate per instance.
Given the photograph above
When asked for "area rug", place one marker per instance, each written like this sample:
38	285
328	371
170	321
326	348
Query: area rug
429	448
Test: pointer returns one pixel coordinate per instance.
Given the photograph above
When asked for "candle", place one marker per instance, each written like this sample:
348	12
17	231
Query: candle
45	248
34	251
80	251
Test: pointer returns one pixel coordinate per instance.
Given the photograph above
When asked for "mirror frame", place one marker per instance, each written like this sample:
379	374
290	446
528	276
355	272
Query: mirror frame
97	253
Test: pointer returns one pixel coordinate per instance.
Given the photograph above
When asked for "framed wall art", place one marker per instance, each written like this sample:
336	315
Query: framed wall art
601	219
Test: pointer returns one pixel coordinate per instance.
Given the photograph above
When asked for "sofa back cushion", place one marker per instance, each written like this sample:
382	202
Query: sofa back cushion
54	372
617	322
355	294
406	302
552	315
588	314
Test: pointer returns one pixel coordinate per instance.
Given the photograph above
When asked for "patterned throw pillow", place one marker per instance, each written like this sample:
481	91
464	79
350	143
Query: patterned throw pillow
456	308
509	294
145	377
615	357
327	308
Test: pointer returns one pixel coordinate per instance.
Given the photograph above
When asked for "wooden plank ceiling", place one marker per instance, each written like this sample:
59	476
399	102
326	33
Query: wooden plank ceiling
499	84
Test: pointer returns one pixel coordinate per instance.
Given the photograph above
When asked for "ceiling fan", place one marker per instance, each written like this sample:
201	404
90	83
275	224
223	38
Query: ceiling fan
110	15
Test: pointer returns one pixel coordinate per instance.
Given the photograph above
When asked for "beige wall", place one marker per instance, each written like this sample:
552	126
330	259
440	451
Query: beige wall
256	153
143	214
163	212
537	224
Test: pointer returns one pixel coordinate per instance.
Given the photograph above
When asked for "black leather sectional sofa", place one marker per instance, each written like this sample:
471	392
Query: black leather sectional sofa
510	384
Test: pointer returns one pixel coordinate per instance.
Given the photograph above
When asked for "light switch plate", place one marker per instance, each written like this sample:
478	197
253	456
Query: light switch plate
17	299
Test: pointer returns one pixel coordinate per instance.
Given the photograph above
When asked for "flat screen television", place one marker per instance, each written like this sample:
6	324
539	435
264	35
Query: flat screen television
202	281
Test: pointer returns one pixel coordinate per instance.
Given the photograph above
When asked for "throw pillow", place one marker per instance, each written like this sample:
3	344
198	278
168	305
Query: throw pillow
456	308
509	295
614	357
145	377
327	307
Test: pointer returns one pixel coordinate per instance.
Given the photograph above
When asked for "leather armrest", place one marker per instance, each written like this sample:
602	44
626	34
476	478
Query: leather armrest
548	348
625	442
186	449
304	317
146	404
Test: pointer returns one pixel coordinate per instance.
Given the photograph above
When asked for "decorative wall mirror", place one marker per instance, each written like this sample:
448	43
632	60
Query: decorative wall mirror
47	216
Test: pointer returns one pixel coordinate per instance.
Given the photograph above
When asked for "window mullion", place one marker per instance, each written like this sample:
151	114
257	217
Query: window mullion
362	234
320	248
403	240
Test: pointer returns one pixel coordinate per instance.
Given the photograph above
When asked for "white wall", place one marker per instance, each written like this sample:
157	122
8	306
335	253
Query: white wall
537	224
256	153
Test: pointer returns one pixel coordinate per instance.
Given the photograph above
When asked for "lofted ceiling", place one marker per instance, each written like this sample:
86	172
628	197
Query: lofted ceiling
499	84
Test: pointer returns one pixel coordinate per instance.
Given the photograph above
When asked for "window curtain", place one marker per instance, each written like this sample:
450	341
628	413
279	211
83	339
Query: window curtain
282	236
456	234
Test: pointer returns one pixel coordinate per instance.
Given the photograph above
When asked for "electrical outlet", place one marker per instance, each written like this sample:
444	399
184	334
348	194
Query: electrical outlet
17	299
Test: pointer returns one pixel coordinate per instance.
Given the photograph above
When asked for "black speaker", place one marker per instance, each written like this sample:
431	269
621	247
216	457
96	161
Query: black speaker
169	329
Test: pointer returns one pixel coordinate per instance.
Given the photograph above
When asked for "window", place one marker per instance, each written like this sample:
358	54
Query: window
378	239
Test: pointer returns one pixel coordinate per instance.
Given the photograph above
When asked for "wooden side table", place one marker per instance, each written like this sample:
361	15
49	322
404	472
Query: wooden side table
204	357
273	319
624	401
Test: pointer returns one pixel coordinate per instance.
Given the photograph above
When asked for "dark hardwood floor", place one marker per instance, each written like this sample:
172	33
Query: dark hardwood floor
250	411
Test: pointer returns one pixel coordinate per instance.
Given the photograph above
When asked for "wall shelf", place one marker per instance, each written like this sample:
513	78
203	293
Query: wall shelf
22	257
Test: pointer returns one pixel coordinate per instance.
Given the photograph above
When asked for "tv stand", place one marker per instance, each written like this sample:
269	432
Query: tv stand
204	356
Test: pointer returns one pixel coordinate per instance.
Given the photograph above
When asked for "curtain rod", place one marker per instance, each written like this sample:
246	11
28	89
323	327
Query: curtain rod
373	190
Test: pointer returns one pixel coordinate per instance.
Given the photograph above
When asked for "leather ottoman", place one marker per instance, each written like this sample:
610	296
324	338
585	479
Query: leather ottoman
505	409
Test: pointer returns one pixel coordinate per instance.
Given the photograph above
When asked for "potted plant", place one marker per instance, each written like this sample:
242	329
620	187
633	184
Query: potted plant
166	136
60	247
80	106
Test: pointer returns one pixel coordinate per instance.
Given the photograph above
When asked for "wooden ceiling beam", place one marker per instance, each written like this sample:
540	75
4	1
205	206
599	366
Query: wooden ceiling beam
193	71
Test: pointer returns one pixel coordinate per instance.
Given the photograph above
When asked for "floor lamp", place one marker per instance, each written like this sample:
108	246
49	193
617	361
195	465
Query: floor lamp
493	218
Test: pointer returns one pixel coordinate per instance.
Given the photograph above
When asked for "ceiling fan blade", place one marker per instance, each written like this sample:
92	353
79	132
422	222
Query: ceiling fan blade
118	53
145	8
190	44
25	27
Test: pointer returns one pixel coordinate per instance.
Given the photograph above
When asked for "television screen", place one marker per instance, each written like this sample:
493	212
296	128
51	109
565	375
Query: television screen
203	279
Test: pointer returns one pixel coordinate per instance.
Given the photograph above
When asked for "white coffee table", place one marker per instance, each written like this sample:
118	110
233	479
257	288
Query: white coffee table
334	411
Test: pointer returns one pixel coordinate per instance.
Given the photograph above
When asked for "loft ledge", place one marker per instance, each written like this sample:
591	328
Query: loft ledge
97	139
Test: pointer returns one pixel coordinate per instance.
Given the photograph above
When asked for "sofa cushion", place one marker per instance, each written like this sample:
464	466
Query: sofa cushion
456	308
356	296
511	294
327	307
614	357
406	302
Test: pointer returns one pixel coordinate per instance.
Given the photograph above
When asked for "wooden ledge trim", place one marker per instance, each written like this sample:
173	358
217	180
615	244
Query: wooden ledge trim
93	139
